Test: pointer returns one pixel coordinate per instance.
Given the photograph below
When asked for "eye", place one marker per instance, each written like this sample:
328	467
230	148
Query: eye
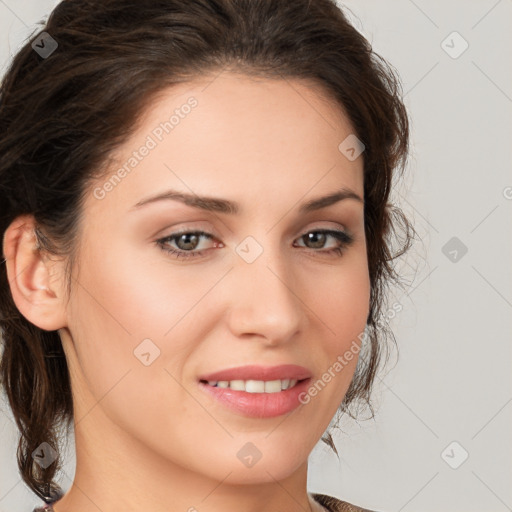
188	241
317	238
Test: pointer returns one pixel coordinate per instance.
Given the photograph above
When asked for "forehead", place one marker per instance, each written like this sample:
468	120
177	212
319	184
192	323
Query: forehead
237	135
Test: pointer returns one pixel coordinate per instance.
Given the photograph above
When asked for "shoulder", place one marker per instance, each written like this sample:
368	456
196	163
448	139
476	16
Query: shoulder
335	505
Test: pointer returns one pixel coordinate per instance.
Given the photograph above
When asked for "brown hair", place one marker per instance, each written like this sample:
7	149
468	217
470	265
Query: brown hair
62	114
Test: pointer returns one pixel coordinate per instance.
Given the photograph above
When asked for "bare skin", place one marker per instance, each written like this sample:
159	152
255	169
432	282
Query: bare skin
147	437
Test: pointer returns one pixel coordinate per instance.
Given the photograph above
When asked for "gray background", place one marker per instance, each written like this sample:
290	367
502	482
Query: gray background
450	394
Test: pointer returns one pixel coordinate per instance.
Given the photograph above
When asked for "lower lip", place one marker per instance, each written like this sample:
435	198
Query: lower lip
258	405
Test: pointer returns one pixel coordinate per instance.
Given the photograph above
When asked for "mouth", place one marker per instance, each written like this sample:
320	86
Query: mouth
257	399
255	386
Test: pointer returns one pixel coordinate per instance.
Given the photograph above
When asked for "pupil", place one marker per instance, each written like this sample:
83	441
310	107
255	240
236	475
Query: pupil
316	237
186	237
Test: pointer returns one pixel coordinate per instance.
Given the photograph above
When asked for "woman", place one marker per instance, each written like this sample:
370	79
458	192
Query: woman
197	244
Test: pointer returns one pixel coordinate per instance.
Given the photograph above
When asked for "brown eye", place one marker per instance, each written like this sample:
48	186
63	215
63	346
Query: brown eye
317	240
186	243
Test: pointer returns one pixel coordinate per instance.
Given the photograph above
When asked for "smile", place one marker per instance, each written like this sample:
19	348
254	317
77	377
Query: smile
256	398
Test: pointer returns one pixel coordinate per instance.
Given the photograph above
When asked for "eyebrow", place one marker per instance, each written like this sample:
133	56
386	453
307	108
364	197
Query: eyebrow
218	205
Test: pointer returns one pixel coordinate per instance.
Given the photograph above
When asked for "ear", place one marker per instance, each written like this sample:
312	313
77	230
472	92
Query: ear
36	282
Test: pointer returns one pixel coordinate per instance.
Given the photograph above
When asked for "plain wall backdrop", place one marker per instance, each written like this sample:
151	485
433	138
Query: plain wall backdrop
441	436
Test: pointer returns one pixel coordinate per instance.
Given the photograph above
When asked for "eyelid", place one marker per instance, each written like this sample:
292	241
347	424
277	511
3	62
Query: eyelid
207	232
343	236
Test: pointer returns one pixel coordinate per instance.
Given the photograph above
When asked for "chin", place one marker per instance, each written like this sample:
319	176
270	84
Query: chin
259	462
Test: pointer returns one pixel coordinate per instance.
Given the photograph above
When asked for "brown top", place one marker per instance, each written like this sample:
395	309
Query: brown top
329	502
335	505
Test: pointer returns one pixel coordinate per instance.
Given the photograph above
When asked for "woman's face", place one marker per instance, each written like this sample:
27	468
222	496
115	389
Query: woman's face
144	325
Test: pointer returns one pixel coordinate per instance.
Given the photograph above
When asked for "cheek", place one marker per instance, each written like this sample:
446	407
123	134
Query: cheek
340	298
341	302
124	299
129	294
119	305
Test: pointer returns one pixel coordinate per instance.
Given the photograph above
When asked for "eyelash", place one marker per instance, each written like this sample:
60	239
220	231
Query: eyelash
342	236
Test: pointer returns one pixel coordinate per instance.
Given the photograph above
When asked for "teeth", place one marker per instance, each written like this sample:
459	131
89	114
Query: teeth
255	386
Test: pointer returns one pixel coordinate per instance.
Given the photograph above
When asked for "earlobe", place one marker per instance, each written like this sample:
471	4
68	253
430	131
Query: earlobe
29	271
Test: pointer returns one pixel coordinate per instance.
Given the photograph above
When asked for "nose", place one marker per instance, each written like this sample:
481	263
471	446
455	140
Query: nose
265	298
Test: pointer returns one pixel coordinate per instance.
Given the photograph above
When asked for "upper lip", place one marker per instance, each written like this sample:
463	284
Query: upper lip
257	372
